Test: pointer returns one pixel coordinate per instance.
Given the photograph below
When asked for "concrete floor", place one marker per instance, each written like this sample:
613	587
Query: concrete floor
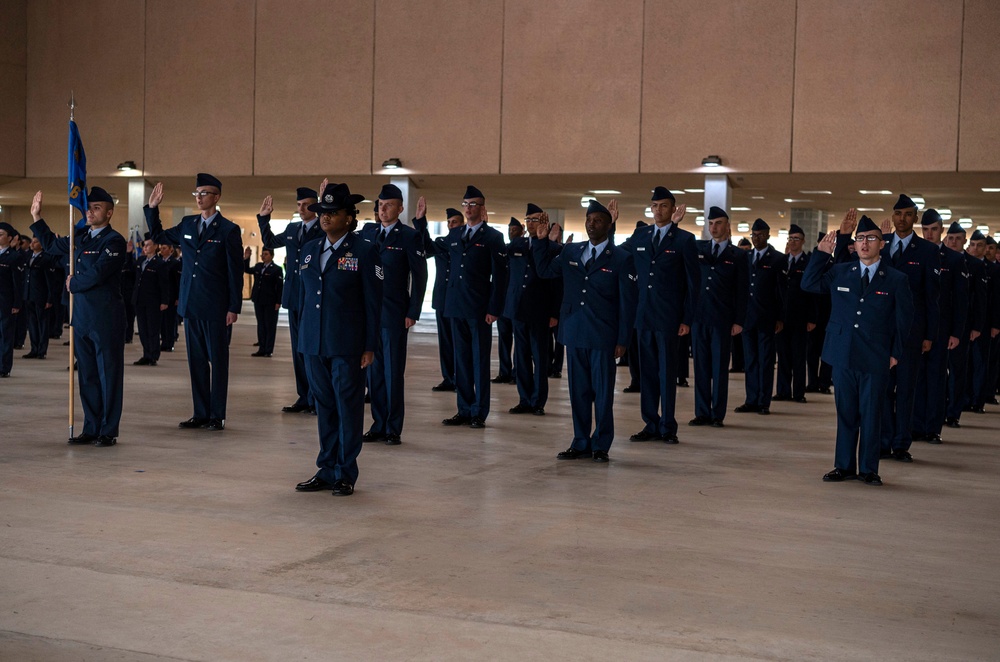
469	544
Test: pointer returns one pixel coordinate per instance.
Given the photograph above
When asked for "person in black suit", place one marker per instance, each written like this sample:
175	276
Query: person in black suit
800	318
211	295
720	309
11	294
764	320
150	300
98	313
266	297
40	292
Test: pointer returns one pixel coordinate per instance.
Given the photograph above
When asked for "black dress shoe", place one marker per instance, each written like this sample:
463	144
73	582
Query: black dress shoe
104	441
871	479
457	419
933	439
142	361
18	346
373	436
600	456
764	411
644	435
151	363
670	439
573	454
342	488
746	409
717	423
30	355
918	436
257	354
902	456
295	409
40	357
392	440
216	425
838	476
312	410
538	411
444	386
993	401
256	344
631	388
314	484
368	399
781	398
521	409
81	439
499	379
801	400
700	420
4	375
952	423
825	391
477	423
683	383
555	374
193	422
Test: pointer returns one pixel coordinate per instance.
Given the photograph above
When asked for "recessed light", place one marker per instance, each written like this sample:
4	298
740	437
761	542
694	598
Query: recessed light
699	220
870	209
743	227
965	222
797	200
585	201
392	164
695	190
739	209
874	192
711	161
987	189
816	192
606	191
983	228
648	213
945	214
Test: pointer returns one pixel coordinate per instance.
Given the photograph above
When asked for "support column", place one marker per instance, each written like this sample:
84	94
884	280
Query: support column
138	195
410	195
718	193
812	222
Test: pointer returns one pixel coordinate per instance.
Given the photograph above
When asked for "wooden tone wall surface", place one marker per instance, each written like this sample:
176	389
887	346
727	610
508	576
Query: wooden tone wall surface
13	94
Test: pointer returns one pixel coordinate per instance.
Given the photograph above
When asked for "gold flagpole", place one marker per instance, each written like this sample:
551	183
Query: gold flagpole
72	261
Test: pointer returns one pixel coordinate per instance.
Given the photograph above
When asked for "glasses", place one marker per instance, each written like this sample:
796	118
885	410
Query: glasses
202	194
796	239
472	205
867	238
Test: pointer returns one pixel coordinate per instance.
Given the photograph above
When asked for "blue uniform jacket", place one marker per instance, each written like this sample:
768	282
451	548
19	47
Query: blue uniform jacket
212	268
404	268
667	281
96	283
267	283
954	306
289	239
599	301
11	280
41	279
978	319
340	306
477	279
921	262
800	307
152	284
764	302
529	296
722	293
864	329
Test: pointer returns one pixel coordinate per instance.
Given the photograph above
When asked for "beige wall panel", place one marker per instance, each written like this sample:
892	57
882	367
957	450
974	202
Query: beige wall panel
314	87
571	86
717	79
199	87
437	85
95	49
877	85
13	100
979	135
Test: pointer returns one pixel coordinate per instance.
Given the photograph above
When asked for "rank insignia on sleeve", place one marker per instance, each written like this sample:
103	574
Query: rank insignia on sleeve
308	257
378	272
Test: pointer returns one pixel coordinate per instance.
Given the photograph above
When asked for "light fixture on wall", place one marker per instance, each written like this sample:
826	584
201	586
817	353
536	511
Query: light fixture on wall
126	165
392	164
712	161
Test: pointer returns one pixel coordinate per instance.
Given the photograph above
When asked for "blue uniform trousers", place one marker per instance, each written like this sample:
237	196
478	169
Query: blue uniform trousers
446	348
386	381
505	346
931	390
38	327
337	387
531	362
558	353
168	328
859	399
20	328
990	390
684	357
101	373
791	346
7	324
298	362
267	327
758	364
592	397
208	363
897	411
473	342
634	361
711	346
149	319
958	368
658	355
979	359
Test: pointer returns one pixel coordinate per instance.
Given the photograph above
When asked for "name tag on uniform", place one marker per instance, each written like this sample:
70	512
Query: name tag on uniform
187	236
574	264
303	266
640	248
843	289
347	264
518	254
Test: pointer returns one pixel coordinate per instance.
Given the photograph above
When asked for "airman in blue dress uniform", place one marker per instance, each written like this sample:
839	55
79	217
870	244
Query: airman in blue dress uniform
266	296
975	323
150	298
41	292
11	294
800	318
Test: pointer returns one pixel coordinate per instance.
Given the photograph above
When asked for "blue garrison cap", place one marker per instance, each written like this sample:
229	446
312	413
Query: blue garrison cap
97	194
451	211
717	212
595	207
205	179
533	209
759	225
473	192
904	202
930	217
390	192
661	193
794	229
305	193
866	225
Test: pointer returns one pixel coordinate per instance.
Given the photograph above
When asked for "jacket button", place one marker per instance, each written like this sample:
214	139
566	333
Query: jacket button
859	312
194	275
855	326
317	305
582	304
319	292
584	291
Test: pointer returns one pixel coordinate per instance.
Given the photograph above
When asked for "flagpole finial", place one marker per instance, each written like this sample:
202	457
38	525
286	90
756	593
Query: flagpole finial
72	105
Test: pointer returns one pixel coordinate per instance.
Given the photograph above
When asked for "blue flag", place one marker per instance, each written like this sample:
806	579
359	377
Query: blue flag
77	170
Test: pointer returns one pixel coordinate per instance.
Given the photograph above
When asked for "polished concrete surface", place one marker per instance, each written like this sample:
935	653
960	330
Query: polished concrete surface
478	544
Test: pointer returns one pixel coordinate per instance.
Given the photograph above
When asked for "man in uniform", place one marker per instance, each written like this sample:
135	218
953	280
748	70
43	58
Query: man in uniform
979	351
477	283
666	264
800	318
763	320
266	297
296	235
720	309
529	307
505	327
98	313
211	295
341	300
401	253
442	266
932	380
819	373
169	320
993	300
11	294
151	300
40	292
596	319
871	311
975	323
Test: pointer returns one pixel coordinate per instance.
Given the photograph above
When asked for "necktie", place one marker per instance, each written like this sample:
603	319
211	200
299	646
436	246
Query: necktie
897	251
590	258
865	281
302	230
380	239
715	250
201	228
756	256
657	238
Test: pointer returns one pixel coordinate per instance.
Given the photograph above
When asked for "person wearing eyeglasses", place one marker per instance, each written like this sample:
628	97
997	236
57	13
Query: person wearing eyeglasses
800	317
211	294
870	315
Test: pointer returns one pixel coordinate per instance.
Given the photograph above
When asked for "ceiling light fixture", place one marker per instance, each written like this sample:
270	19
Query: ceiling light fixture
816	192
712	161
965	223
743	227
987	189
392	164
585	201
695	190
874	192
606	191
796	200
945	214
739	209
870	209
126	165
